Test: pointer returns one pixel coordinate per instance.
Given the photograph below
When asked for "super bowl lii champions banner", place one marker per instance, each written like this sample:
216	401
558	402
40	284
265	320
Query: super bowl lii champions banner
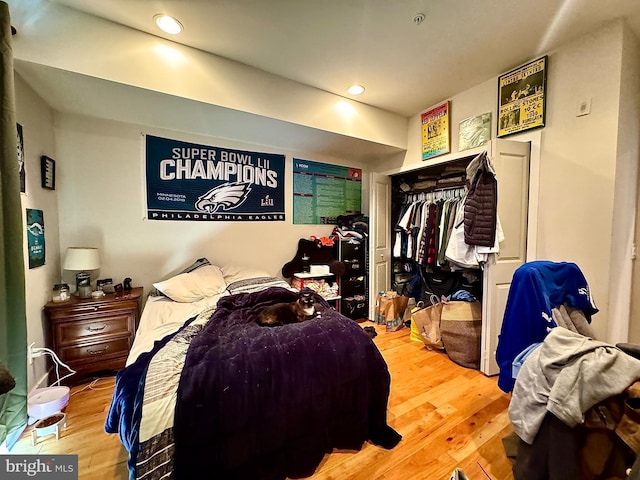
186	181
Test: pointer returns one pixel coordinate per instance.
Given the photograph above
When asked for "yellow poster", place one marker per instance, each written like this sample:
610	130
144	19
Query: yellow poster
435	131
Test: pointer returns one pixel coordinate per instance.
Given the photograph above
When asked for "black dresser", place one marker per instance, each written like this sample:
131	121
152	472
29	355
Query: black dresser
354	295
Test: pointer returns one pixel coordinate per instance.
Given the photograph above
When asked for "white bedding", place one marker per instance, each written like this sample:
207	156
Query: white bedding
162	316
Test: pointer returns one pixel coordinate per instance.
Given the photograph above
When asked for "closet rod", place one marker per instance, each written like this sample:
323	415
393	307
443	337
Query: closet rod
437	194
435	189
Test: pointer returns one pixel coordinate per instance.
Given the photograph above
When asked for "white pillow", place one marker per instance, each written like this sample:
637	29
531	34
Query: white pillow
204	282
233	273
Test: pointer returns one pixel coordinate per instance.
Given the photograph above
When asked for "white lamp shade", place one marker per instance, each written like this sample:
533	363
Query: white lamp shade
81	258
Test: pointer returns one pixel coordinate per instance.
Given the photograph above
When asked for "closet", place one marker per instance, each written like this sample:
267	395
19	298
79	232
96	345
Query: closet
424	205
439	181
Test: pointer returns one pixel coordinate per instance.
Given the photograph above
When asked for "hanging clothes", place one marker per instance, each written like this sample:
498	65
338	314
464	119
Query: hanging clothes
414	229
457	250
446	226
425	226
477	231
430	259
400	242
420	240
480	214
460	253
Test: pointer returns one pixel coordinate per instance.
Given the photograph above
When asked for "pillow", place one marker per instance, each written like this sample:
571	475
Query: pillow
203	282
250	285
233	273
200	262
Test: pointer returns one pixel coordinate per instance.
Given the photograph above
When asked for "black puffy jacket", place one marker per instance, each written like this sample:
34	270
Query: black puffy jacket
480	207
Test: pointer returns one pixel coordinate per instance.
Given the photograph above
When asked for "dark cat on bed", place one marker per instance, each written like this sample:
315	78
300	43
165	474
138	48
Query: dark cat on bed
291	312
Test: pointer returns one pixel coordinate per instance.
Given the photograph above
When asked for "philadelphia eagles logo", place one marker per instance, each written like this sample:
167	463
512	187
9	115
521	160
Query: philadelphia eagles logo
226	197
35	229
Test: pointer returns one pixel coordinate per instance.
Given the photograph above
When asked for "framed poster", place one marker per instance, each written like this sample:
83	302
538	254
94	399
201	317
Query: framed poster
522	98
436	139
48	172
474	131
35	237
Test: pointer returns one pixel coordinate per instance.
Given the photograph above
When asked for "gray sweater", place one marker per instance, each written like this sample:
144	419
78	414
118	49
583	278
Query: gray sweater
566	375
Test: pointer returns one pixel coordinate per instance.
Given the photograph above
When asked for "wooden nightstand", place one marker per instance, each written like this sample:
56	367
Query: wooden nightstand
92	335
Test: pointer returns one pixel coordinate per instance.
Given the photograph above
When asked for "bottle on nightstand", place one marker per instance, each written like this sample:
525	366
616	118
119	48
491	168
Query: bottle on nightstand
60	292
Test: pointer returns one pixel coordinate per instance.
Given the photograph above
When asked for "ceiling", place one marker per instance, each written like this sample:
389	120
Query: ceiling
307	48
406	67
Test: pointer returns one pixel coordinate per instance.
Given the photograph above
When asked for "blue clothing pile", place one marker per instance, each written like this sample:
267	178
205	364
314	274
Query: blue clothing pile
537	287
462	296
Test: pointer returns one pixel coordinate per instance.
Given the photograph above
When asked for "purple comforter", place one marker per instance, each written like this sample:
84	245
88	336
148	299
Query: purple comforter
268	402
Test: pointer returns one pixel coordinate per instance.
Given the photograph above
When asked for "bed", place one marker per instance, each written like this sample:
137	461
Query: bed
207	389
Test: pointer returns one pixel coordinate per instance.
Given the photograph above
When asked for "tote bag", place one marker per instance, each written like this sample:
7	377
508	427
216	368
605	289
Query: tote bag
461	330
425	326
394	312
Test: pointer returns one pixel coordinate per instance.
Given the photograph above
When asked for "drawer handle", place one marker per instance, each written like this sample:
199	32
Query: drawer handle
97	329
96	352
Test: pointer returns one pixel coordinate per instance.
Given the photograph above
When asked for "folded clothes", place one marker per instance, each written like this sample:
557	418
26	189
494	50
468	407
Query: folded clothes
462	295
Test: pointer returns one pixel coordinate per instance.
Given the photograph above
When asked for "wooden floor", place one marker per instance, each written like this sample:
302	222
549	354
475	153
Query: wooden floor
449	417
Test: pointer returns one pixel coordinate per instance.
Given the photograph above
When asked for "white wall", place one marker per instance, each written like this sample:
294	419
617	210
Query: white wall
578	167
101	200
586	166
36	119
626	191
630	125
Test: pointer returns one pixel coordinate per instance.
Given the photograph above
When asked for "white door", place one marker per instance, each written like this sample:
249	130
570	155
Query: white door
511	162
379	238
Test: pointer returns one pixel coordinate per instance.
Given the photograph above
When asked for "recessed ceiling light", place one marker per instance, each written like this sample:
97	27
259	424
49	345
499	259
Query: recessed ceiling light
356	89
168	24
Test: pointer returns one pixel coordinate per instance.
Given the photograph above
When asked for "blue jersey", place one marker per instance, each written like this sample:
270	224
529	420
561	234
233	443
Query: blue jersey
536	288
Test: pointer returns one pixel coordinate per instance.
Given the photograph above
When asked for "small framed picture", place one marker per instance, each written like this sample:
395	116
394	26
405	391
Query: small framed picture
474	131
48	172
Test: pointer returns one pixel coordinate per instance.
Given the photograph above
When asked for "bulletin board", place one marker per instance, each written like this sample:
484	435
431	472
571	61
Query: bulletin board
322	192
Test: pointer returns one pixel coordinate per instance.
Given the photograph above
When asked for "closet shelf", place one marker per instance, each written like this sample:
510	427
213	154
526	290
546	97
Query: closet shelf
438	188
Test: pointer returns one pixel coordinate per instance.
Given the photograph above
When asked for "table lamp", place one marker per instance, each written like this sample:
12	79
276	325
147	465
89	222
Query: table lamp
82	259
